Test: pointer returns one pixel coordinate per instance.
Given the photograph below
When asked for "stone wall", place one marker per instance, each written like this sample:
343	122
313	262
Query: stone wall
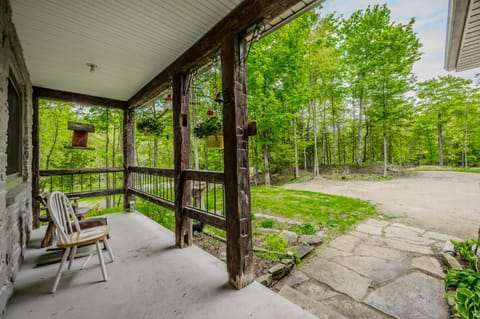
15	191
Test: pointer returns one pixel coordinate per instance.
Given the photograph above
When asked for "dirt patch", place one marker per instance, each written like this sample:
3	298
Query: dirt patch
445	202
218	249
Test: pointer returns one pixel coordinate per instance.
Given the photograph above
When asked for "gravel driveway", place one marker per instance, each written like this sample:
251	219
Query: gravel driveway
445	202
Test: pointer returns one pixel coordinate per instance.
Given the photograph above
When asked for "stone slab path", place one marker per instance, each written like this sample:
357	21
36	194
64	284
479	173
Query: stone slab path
380	270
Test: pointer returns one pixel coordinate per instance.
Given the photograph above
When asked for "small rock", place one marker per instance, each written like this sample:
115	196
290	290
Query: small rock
288	262
311	239
223	256
448	247
290	236
265	280
451	261
279	271
302	250
322	233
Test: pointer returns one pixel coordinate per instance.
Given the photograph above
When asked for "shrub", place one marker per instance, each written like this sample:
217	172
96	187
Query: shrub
267	223
303	229
274	244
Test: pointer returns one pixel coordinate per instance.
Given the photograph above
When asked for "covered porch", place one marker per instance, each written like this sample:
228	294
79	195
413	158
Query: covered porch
228	40
150	278
116	55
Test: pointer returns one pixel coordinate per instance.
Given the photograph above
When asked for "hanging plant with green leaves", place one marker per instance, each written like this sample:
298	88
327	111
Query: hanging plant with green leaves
211	126
149	124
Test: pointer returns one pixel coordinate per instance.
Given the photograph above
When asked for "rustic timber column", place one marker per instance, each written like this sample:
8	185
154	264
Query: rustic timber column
181	135
237	185
128	154
35	164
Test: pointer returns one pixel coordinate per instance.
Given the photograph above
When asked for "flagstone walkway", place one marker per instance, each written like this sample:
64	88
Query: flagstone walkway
380	270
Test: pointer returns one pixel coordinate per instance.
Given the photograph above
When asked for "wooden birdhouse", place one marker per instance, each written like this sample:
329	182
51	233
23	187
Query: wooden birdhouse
80	135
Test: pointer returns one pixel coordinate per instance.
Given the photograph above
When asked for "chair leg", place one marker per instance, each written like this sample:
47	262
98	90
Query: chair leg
87	260
59	272
109	249
72	257
100	259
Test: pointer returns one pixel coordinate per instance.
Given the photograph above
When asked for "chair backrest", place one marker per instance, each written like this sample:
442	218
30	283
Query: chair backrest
62	214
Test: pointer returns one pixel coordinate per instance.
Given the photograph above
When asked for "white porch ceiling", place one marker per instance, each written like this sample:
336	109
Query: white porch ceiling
463	35
130	41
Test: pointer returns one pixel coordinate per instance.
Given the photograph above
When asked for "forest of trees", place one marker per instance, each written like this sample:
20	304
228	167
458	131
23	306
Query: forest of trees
337	91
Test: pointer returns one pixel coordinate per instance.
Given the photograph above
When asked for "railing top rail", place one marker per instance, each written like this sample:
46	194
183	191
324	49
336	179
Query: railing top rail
207	176
54	172
167	172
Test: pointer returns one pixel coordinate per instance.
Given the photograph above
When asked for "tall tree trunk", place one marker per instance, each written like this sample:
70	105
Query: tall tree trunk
334	132
305	167
155	151
440	140
195	139
385	156
315	148
324	137
360	128
266	165
365	138
295	146
55	137
107	144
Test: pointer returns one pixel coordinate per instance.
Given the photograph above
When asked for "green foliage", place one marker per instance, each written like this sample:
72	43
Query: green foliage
338	213
467	296
467	303
211	126
466	282
147	123
267	223
274	244
303	229
466	278
447	169
157	213
467	249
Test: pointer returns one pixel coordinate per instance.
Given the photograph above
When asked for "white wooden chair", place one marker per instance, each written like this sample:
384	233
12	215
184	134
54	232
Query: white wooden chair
70	236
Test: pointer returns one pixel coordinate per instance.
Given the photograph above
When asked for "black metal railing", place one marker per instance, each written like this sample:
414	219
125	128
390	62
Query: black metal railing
85	182
157	185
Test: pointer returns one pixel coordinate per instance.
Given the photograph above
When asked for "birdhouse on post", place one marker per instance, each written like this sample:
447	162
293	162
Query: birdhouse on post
80	135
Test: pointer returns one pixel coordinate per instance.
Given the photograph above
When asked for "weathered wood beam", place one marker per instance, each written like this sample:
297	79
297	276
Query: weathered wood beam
154	199
204	176
166	172
239	20
237	185
78	98
107	192
181	142
128	155
35	164
75	171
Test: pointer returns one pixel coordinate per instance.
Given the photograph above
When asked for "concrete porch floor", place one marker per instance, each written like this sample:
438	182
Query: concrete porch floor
150	278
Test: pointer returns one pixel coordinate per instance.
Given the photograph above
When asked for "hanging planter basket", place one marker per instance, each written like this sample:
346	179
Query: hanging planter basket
214	141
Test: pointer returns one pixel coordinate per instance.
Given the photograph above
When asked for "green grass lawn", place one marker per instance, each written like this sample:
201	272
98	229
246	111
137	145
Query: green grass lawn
335	212
447	169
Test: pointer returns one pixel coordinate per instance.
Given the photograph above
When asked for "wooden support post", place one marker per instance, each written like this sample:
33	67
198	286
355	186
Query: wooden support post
35	164
181	133
237	185
128	154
